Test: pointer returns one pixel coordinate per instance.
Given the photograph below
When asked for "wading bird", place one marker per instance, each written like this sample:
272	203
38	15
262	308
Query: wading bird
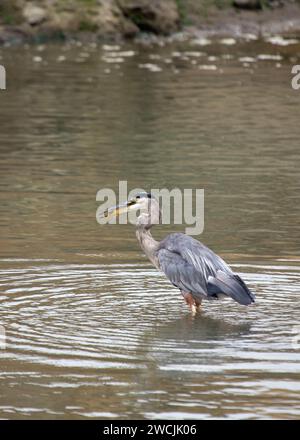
191	266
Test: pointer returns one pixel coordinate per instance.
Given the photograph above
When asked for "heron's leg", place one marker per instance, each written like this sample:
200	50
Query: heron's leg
191	302
198	304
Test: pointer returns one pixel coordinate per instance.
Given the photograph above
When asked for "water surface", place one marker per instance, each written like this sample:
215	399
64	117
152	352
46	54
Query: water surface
93	331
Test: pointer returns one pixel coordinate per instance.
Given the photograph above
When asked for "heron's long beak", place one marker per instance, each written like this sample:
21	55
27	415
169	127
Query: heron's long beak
116	211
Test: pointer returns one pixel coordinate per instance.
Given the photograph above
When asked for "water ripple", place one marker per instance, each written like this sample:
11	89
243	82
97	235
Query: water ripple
113	327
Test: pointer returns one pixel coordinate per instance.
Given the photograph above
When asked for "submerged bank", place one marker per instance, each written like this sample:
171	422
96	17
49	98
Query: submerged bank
22	20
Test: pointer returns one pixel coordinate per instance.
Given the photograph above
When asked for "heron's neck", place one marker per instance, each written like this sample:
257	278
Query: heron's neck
148	244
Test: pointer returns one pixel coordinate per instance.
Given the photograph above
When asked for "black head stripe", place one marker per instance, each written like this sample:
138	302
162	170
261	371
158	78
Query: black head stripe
144	195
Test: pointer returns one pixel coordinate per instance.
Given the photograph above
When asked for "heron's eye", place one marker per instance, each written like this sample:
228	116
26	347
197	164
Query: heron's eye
138	197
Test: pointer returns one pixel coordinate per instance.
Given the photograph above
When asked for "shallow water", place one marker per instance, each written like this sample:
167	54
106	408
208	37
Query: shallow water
92	330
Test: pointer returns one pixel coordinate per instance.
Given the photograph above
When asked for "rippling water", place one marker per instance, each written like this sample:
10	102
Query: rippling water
92	330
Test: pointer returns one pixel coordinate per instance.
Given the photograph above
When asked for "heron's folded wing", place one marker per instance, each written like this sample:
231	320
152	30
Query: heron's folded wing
195	253
181	273
216	275
232	285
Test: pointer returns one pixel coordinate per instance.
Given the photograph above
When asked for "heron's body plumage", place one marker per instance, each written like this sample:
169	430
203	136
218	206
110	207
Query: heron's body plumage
194	268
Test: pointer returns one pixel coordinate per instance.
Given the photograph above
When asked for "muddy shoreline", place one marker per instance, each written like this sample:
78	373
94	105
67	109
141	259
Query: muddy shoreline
39	22
283	21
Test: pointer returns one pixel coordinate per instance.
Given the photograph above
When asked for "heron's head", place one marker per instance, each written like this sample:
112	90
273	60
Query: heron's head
143	202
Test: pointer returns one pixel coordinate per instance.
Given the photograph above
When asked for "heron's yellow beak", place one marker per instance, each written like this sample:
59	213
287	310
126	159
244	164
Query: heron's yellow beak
116	211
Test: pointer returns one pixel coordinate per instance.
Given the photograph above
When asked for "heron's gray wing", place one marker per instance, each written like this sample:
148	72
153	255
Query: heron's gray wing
232	285
195	253
216	276
182	274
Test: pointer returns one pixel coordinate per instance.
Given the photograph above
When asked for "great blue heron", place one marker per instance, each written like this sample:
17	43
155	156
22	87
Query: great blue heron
191	266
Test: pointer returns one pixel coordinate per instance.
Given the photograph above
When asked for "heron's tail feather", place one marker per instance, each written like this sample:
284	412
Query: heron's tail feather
231	285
